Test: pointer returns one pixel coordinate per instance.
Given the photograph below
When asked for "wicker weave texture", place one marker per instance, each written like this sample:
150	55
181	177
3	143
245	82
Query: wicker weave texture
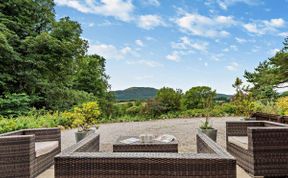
71	163
17	152
267	153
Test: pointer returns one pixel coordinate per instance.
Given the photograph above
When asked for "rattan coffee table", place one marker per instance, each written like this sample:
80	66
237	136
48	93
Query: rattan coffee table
153	146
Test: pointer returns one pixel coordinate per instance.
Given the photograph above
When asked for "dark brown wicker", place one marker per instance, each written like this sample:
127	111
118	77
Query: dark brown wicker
267	153
269	117
83	160
154	146
17	152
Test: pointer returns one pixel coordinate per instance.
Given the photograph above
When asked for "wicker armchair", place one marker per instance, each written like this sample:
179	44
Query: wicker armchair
260	147
27	153
83	160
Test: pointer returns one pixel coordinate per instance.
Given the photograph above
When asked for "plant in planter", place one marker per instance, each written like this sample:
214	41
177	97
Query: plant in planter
206	127
84	117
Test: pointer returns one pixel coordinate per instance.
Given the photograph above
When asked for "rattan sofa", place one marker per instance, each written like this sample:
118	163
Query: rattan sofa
260	147
27	153
83	160
260	116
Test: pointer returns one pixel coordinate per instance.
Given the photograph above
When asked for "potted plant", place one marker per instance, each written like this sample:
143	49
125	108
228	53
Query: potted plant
84	117
206	127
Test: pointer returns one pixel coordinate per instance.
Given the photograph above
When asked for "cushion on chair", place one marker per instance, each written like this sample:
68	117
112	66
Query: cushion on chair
241	141
42	148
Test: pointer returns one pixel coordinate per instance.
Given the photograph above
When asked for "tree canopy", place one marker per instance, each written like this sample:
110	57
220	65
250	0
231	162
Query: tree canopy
46	59
270	74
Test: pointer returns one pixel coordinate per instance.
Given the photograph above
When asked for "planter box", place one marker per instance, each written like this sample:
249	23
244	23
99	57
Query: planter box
211	133
80	135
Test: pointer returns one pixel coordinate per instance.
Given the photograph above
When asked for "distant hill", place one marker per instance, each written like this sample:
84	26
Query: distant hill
135	93
143	93
223	97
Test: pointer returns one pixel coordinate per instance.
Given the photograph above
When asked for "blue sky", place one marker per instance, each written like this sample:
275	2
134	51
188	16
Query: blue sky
179	43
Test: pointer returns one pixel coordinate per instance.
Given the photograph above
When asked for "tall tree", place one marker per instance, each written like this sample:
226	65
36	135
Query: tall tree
270	75
196	97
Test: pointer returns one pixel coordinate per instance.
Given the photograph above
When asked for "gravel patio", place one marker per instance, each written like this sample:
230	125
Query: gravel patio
183	129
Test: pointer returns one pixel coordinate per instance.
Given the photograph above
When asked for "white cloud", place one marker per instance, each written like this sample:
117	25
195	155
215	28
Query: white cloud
148	63
200	25
149	22
264	26
109	51
120	9
225	4
240	40
139	43
91	24
186	44
233	66
174	56
272	52
276	22
152	2
283	34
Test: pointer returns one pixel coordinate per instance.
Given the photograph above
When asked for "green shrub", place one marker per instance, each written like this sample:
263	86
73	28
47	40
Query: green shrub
134	110
12	105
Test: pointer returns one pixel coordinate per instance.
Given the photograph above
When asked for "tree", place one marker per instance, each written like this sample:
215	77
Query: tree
46	59
270	75
243	99
195	97
169	98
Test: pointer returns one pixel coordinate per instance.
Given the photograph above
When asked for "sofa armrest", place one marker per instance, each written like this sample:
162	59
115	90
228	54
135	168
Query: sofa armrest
268	139
44	134
239	128
17	155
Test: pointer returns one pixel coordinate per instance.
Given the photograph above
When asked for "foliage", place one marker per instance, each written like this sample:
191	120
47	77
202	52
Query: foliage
270	75
205	125
34	120
153	108
46	58
84	116
282	104
196	96
12	105
169	99
243	99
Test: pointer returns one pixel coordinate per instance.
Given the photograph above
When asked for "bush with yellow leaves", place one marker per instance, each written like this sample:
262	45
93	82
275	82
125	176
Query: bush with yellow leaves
282	104
84	116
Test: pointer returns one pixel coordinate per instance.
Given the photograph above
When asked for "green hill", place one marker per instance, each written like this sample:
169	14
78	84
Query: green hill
135	93
143	93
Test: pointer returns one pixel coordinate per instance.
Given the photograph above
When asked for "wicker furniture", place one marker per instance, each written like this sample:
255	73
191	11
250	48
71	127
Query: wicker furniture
83	160
154	146
260	147
269	117
27	153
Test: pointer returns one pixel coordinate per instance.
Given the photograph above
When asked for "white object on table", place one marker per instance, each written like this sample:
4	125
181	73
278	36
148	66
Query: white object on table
129	140
165	138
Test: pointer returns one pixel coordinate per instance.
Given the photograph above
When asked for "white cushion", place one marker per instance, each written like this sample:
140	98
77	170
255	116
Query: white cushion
42	148
241	141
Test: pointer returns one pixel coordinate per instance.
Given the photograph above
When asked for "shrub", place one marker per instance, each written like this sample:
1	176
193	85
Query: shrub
134	110
153	108
15	104
84	116
169	99
282	104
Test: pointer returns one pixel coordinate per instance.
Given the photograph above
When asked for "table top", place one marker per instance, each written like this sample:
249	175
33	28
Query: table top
153	142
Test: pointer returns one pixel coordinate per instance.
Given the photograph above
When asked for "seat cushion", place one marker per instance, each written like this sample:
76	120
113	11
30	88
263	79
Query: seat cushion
42	148
241	141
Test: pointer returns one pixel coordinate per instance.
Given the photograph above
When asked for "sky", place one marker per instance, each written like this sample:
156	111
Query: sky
179	43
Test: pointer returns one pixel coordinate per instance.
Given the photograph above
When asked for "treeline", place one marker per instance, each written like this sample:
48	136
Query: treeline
44	62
